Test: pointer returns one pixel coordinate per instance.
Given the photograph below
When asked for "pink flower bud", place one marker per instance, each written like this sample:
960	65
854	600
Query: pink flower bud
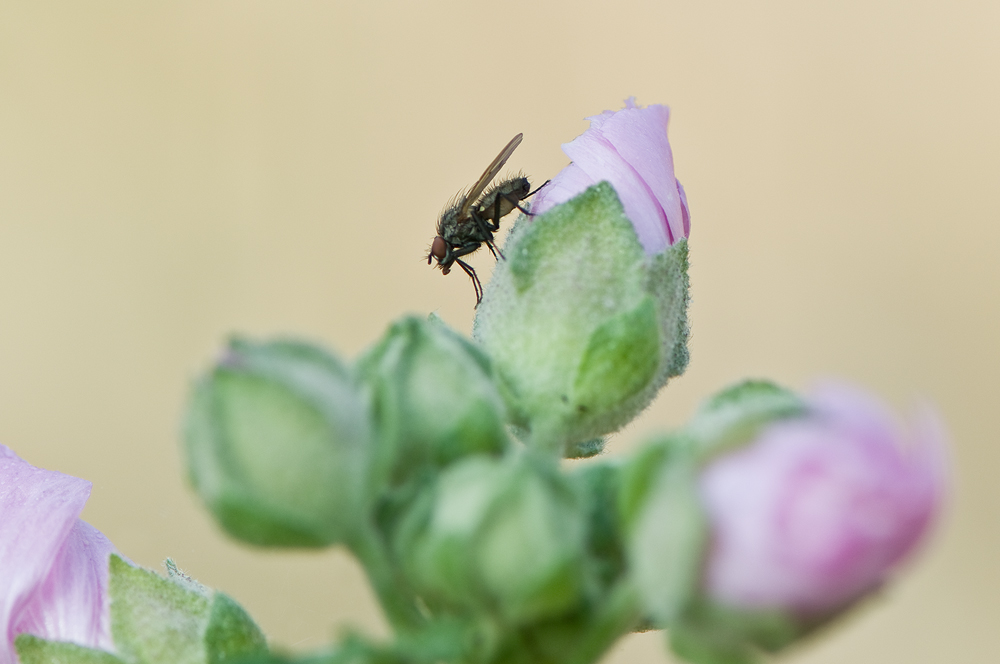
820	510
629	149
53	566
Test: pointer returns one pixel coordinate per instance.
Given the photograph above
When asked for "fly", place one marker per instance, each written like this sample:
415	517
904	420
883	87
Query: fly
475	216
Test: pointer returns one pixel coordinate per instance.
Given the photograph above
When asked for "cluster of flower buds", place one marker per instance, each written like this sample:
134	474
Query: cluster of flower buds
765	517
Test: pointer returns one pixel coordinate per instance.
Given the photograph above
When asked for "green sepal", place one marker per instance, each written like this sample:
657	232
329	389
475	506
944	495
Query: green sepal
441	641
668	282
642	471
620	359
176	620
36	650
231	633
599	484
586	449
735	415
155	620
708	633
665	533
707	647
666	543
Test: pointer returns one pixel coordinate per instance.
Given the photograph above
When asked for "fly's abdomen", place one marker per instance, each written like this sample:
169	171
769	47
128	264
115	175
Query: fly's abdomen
509	193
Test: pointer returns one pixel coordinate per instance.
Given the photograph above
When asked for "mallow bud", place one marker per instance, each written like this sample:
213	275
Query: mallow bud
433	398
586	319
277	440
504	536
796	510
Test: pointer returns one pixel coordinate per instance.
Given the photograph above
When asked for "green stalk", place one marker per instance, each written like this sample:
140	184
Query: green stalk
390	588
617	616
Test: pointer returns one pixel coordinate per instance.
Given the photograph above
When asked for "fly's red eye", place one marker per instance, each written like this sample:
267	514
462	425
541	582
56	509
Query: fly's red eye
439	248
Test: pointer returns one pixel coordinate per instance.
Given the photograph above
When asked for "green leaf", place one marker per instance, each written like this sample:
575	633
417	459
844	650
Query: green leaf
34	650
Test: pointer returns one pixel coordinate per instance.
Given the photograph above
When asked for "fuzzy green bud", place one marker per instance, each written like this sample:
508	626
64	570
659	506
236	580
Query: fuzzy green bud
433	398
499	535
584	327
277	439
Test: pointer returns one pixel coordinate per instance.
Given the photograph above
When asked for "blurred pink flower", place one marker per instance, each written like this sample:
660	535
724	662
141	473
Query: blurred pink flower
629	149
53	566
818	511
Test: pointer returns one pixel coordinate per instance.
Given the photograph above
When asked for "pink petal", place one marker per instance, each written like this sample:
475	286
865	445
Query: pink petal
684	210
38	509
71	604
639	135
597	157
569	182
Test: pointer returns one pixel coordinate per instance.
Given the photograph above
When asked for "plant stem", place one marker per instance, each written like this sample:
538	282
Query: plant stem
617	615
398	604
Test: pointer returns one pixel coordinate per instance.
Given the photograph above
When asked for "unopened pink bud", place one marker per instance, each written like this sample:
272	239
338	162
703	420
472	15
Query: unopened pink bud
629	149
820	510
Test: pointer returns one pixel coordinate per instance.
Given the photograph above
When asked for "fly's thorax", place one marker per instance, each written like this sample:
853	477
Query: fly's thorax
448	222
458	232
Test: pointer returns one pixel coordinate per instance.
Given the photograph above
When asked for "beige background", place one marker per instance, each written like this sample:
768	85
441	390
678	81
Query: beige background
172	172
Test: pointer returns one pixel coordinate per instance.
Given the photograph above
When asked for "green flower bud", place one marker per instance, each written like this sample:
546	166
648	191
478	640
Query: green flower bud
505	537
277	438
584	327
433	398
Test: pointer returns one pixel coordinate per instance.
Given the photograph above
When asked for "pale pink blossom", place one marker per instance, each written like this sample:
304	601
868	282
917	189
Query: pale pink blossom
820	510
628	149
53	566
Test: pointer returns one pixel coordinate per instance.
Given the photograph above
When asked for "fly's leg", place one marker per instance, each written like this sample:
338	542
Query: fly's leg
530	193
475	279
487	230
464	250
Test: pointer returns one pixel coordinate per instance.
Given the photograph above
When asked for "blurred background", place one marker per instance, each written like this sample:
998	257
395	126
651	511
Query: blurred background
172	172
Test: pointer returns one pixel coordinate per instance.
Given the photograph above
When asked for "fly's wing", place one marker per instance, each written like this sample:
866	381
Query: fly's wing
488	175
